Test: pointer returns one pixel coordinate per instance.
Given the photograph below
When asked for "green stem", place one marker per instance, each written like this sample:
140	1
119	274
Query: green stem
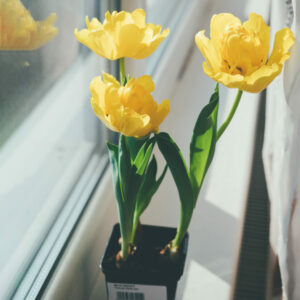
231	114
135	225
185	219
122	71
125	249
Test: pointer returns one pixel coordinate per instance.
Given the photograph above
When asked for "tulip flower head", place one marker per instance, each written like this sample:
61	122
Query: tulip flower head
130	109
237	55
122	34
19	31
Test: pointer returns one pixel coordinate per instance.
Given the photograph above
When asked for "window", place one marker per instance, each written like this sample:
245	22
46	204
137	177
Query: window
51	144
167	13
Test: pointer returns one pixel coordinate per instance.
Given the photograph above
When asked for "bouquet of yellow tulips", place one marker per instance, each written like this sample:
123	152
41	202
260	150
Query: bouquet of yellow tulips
237	55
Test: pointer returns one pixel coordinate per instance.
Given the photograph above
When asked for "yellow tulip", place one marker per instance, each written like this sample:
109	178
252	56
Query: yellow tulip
122	34
19	31
237	54
128	109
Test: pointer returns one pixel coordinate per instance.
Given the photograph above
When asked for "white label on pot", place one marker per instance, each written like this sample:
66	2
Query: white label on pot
128	291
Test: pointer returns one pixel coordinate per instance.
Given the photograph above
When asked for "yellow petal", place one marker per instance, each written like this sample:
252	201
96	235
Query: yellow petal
129	123
94	24
139	17
208	50
118	19
257	25
100	114
129	40
163	110
112	99
148	48
147	82
284	40
261	78
102	43
107	78
97	88
219	23
151	32
83	36
254	83
107	17
229	80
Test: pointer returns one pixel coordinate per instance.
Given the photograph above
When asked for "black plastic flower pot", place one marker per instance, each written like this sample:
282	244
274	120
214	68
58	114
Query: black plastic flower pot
148	274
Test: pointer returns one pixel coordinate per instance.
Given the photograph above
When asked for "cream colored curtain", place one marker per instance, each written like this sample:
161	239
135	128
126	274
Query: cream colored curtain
281	153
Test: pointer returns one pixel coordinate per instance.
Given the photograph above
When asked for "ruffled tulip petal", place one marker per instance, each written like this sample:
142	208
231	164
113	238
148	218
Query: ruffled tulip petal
257	24
83	36
284	40
253	83
221	22
102	44
129	38
105	119
94	24
107	78
130	123
261	78
163	110
146	82
208	50
149	47
229	80
139	17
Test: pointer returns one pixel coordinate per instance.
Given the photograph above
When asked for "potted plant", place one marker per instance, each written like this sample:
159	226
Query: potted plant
135	263
140	261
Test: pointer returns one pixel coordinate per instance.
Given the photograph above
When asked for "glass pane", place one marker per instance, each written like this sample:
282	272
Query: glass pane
26	75
48	133
167	13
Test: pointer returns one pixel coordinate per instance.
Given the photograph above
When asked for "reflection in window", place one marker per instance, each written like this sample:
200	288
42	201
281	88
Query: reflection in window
168	13
49	136
19	31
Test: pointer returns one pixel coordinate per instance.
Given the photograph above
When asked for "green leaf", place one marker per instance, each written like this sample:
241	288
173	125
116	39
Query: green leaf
135	145
130	179
141	167
148	187
123	211
125	169
176	163
203	142
113	157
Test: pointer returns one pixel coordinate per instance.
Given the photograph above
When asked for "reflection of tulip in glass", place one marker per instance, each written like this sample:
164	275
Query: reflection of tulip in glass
130	109
237	54
19	31
122	34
